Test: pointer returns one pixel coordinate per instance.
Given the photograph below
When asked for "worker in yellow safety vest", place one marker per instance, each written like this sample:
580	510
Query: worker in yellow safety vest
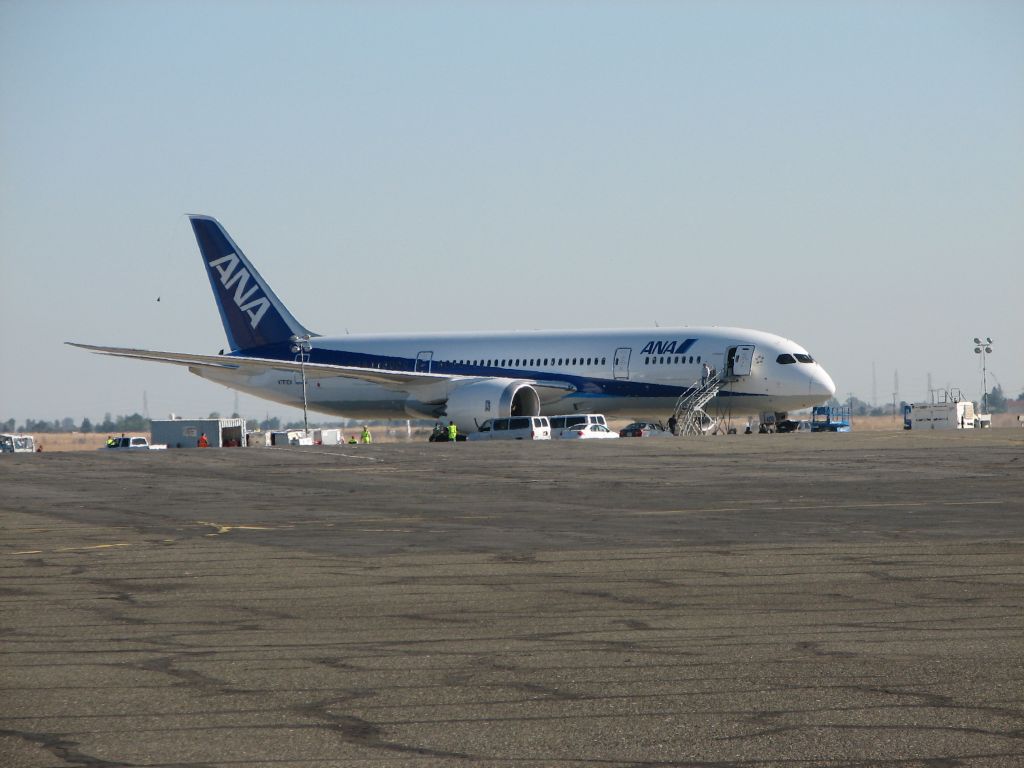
366	437
453	432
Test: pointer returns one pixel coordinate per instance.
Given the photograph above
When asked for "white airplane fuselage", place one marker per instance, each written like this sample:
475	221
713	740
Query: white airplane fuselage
630	373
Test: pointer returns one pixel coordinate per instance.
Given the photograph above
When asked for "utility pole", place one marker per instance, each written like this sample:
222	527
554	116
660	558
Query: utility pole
874	386
301	349
983	348
895	391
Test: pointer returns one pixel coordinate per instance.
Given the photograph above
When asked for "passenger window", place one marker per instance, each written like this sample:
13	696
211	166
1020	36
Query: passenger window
698	359
588	361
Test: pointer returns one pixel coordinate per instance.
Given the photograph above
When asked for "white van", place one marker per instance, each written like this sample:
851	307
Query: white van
17	444
514	428
558	423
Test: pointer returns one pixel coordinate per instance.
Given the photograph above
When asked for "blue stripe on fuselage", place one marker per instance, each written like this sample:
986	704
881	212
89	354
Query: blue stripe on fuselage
585	385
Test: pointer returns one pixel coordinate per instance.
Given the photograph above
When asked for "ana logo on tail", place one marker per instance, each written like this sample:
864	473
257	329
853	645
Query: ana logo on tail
246	300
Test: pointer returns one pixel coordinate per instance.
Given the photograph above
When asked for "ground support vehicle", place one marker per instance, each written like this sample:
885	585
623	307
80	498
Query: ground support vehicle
792	425
132	444
830	418
644	429
946	414
564	421
13	443
514	428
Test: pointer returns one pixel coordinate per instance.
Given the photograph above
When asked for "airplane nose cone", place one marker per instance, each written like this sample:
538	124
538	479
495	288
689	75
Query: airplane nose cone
821	384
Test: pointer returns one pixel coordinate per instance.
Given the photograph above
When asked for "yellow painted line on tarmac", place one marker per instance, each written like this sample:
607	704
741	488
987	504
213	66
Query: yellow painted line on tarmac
71	549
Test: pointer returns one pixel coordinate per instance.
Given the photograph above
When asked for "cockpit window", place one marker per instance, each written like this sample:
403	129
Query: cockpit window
804	358
785	359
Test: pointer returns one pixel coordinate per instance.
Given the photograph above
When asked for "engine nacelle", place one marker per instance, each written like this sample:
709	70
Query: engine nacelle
470	403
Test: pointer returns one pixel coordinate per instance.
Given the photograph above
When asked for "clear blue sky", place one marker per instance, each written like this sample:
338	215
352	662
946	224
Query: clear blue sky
847	174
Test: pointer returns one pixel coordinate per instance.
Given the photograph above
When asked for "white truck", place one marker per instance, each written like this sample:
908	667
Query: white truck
950	414
11	443
131	444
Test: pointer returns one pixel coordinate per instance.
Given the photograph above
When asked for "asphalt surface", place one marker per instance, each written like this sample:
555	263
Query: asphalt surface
765	600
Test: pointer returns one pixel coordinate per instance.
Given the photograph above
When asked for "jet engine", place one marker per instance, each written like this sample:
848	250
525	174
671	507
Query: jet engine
471	403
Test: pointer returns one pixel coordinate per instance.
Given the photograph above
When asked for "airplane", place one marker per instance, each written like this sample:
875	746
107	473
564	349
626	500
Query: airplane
470	377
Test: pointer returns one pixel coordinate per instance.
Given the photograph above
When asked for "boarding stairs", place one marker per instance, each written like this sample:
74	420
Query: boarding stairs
691	418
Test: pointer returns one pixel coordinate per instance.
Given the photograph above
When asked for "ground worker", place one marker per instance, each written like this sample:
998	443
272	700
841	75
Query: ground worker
353	441
203	442
366	437
453	432
110	441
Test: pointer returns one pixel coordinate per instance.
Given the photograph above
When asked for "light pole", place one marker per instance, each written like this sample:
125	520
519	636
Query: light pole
301	348
983	348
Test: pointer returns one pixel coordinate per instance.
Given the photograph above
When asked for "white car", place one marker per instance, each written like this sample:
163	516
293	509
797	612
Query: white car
132	444
588	432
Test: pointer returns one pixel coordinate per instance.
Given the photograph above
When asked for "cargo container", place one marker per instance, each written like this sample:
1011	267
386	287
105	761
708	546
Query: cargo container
185	433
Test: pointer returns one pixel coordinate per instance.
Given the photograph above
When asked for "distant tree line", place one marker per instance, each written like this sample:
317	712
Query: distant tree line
134	422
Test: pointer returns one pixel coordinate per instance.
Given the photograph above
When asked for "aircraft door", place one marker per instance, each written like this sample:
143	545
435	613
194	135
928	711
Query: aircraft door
424	360
620	367
742	356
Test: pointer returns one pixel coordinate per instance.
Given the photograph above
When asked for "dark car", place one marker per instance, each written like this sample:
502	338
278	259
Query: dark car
644	429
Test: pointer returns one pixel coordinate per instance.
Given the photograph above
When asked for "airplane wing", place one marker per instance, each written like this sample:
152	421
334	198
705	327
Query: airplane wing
399	380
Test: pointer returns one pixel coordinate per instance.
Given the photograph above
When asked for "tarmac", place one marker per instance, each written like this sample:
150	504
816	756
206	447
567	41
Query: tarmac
764	600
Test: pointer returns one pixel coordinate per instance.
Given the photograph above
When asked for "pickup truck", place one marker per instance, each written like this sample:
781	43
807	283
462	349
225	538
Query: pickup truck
132	444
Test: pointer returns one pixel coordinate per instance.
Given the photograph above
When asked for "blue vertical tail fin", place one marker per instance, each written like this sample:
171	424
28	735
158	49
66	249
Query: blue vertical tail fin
252	314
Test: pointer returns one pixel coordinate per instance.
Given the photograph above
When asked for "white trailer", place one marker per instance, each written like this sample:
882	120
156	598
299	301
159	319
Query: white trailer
951	414
288	437
328	437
